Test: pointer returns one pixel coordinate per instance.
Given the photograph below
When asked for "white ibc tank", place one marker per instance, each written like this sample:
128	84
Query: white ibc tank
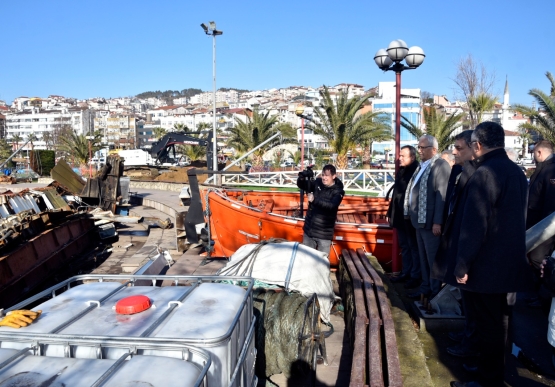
215	317
152	371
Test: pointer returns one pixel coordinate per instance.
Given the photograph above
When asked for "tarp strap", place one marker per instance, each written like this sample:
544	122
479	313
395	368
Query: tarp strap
291	263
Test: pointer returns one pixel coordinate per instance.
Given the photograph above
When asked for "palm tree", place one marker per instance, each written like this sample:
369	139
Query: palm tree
77	145
480	104
252	132
342	125
180	127
438	124
16	139
194	152
32	137
203	126
543	124
159	133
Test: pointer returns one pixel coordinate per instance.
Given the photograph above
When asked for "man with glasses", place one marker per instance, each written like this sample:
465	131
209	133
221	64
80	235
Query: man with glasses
488	242
424	201
324	197
405	232
462	152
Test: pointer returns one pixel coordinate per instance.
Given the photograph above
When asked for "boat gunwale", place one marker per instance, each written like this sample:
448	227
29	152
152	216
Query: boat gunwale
337	223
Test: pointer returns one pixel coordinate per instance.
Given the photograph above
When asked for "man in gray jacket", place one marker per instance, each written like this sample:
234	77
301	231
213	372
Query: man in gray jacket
424	201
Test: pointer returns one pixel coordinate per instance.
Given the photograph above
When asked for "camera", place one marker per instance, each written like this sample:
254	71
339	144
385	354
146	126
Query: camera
307	173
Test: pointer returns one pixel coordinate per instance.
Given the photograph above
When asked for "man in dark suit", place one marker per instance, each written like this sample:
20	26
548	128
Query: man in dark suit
541	197
462	151
405	232
489	239
424	201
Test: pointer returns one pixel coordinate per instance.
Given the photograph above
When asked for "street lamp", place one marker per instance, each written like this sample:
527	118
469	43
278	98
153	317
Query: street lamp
211	30
390	60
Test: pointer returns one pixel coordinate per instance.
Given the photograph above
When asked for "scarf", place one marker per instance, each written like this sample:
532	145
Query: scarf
422	195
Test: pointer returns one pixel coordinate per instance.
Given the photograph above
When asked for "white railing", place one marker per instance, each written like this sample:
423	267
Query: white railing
376	181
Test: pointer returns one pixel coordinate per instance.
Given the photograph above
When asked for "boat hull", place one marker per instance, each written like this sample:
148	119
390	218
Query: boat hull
241	217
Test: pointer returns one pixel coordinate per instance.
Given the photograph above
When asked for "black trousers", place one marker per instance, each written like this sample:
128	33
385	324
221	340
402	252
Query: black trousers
491	313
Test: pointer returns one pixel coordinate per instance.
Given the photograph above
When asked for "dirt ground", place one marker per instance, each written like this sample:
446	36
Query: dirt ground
179	175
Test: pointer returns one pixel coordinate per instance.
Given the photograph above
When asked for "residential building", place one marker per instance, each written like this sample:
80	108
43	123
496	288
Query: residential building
411	109
41	121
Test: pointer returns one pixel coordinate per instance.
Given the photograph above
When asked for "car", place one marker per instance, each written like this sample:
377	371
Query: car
378	164
286	164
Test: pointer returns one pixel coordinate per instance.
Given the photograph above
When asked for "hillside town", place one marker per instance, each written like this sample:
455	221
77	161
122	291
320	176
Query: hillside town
130	122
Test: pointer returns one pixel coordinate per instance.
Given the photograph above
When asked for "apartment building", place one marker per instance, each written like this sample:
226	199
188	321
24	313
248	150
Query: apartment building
411	109
41	121
118	130
207	98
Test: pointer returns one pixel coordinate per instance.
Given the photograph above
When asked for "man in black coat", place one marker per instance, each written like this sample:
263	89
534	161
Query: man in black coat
541	197
462	151
324	197
405	231
488	240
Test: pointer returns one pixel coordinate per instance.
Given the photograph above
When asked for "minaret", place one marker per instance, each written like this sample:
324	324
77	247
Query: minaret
506	107
506	94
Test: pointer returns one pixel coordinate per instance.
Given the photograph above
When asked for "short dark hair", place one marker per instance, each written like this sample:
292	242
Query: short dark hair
545	144
490	135
331	168
465	135
411	149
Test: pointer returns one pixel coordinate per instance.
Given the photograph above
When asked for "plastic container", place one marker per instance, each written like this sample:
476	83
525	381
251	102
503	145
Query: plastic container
152	371
215	317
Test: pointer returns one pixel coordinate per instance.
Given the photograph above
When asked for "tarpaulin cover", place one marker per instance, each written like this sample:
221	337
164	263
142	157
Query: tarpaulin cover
291	265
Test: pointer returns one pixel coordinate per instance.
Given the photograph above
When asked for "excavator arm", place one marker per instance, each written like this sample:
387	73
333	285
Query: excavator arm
161	150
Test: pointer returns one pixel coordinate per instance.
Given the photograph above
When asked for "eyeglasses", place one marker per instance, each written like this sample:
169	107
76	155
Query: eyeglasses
423	147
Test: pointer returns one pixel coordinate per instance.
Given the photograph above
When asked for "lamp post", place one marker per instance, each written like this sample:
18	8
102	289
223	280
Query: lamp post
299	111
390	60
90	138
211	30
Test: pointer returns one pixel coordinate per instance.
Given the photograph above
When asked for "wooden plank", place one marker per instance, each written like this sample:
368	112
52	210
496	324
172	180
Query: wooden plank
375	369
392	353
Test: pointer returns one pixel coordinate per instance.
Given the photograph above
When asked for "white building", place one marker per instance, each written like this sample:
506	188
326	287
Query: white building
411	109
40	121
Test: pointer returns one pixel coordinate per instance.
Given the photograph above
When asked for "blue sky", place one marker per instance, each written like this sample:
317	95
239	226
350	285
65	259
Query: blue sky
113	48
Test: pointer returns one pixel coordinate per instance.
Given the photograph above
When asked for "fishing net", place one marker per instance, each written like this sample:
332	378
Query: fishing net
280	321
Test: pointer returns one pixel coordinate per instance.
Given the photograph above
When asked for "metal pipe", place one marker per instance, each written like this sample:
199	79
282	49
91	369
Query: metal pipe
278	133
540	232
215	137
13	154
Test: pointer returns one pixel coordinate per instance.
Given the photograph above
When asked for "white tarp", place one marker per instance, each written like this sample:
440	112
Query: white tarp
294	266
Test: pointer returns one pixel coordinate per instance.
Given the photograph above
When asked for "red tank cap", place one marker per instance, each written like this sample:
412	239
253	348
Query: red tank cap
133	304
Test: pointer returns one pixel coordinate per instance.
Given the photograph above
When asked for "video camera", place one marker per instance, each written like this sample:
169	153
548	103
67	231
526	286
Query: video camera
308	173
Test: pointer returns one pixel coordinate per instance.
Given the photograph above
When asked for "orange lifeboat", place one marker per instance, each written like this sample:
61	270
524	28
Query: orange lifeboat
239	217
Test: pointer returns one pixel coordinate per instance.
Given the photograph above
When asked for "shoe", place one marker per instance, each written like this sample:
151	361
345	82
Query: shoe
463	384
456	336
413	283
470	368
400	278
462	351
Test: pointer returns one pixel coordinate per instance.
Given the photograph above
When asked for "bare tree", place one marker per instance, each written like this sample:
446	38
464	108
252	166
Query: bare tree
472	79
